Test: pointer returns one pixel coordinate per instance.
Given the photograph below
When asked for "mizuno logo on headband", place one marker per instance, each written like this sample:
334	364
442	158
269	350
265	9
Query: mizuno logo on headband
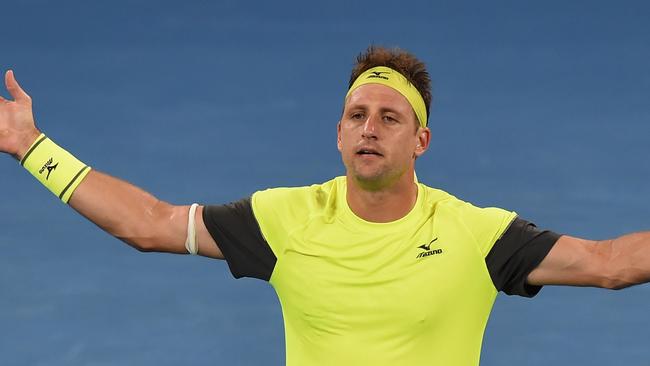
377	74
393	79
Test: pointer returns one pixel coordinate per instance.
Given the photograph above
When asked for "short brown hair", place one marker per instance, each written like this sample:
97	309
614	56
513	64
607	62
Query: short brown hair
397	59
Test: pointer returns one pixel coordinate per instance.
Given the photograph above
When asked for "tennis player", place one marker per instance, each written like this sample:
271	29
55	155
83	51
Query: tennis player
371	268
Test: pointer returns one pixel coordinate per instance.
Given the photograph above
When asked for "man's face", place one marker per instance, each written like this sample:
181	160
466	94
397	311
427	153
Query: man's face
378	136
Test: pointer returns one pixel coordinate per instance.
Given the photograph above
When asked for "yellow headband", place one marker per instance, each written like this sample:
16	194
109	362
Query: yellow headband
386	76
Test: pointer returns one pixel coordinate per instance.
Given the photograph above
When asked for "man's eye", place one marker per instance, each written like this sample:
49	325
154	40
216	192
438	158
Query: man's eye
389	119
357	116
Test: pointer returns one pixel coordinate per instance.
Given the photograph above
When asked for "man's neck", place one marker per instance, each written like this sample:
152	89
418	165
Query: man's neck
384	205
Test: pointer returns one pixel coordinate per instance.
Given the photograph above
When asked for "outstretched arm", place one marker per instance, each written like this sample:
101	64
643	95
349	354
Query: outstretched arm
121	209
613	264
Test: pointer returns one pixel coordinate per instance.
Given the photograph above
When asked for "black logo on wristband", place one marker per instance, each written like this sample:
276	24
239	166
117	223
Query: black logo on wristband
48	165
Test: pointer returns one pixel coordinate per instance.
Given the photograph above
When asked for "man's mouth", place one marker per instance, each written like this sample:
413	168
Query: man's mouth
368	151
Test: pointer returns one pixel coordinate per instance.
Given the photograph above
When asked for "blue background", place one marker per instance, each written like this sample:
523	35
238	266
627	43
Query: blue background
541	108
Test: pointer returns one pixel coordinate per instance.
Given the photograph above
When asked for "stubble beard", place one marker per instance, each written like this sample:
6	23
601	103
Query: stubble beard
376	178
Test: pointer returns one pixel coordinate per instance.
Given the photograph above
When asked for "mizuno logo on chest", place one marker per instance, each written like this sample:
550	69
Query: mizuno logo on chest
427	250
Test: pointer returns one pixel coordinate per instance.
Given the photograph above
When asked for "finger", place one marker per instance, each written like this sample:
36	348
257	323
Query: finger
14	88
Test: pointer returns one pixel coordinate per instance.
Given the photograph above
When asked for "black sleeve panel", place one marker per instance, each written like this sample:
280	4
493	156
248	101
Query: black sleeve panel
519	251
238	235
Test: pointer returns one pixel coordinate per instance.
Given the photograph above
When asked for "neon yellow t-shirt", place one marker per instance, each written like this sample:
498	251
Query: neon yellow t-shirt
415	291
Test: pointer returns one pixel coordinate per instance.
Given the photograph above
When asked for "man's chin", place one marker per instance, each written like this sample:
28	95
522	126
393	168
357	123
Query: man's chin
372	181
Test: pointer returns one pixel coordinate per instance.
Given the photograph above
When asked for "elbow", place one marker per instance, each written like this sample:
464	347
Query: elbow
141	244
608	271
146	247
150	231
618	279
615	284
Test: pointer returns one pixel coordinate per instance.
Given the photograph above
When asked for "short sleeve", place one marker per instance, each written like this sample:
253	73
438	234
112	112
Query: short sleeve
517	253
237	233
486	224
279	211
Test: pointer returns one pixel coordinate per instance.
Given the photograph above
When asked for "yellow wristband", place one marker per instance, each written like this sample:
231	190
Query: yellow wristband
55	168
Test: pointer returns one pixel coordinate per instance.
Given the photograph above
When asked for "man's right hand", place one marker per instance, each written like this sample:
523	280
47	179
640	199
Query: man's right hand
17	128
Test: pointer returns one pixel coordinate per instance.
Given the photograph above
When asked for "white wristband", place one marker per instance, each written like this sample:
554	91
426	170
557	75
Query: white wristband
191	244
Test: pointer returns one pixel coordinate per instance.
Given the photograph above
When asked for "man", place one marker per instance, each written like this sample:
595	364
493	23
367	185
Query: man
373	268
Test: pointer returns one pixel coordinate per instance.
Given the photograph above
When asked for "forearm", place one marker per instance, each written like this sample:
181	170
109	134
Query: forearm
131	214
121	209
613	264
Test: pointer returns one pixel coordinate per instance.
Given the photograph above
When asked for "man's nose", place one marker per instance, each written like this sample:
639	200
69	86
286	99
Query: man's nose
370	126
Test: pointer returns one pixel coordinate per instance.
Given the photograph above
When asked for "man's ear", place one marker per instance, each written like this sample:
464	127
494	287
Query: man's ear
423	142
338	136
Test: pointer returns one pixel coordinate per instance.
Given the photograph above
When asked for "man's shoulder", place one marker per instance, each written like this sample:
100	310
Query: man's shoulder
437	198
298	202
443	198
300	193
486	224
440	200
